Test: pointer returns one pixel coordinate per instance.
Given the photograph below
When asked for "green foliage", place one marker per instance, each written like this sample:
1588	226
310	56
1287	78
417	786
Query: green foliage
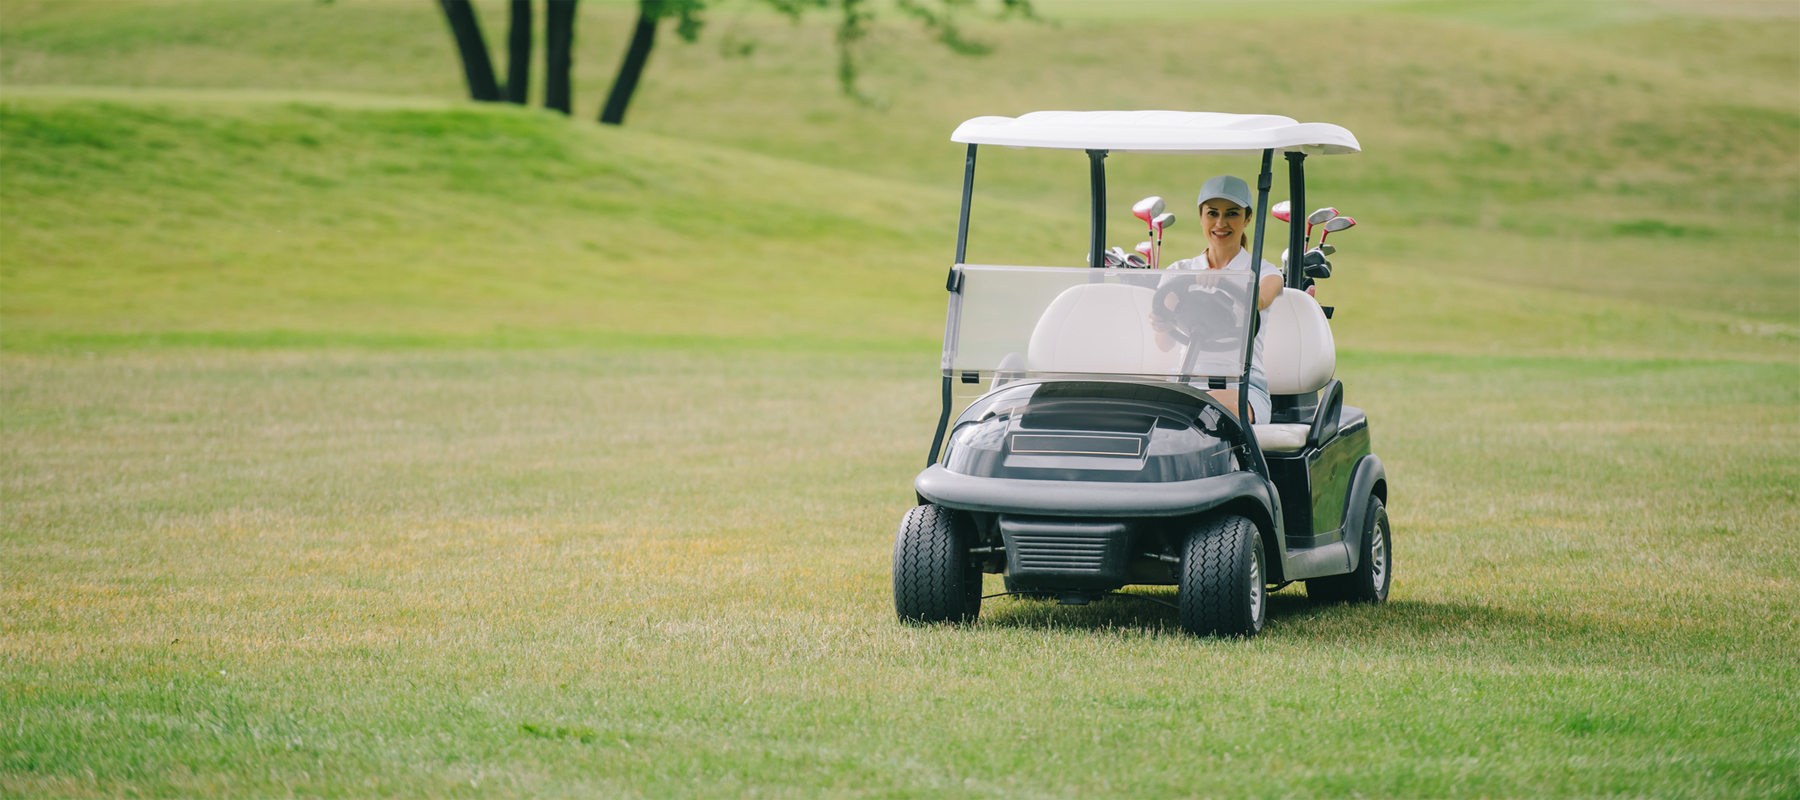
855	18
687	15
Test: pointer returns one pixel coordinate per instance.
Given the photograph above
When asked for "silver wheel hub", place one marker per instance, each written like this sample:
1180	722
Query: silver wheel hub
1257	590
1378	558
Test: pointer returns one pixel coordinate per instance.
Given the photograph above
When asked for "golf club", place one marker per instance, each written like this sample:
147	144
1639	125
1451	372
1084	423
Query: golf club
1336	224
1146	250
1147	210
1315	264
1158	224
1280	211
1327	249
1319	217
1135	261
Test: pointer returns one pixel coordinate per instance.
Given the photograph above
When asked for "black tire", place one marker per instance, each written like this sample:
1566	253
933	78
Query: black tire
1374	565
1222	591
935	580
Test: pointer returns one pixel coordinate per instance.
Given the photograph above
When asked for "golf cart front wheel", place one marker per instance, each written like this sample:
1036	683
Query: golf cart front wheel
934	578
1374	572
1221	590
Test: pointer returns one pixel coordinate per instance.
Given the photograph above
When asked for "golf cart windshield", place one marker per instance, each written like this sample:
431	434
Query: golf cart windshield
1018	322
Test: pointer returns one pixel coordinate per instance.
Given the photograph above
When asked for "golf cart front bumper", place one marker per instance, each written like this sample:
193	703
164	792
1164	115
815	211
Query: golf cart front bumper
1084	536
1087	499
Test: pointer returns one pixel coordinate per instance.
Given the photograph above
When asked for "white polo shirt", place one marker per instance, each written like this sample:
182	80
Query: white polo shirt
1259	384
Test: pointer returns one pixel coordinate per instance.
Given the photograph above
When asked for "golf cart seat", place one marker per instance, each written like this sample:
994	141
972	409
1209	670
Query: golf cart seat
1299	357
1100	327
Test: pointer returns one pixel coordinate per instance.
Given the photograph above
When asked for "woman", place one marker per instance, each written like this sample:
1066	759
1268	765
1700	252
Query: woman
1224	216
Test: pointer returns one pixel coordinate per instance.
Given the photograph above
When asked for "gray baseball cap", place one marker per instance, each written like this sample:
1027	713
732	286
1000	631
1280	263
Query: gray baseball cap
1225	186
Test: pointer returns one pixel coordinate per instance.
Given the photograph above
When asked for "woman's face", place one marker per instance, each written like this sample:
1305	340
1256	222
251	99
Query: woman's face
1223	220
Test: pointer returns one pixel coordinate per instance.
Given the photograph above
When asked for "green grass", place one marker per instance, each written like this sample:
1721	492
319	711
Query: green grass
356	440
1546	135
666	574
265	220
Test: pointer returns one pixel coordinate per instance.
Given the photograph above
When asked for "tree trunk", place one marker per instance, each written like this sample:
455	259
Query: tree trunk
518	52
633	66
473	48
559	36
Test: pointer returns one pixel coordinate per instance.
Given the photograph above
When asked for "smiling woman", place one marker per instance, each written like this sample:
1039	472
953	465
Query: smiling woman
1224	206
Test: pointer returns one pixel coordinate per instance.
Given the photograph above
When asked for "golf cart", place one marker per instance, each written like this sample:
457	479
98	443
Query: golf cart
1088	458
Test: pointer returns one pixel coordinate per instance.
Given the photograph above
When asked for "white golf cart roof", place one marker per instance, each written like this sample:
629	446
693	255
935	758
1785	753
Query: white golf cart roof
1167	132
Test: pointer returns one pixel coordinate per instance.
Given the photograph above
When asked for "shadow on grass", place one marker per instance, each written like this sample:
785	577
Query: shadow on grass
1294	617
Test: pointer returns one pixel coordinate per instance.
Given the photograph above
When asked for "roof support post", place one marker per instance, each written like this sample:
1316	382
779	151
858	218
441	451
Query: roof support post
1263	180
1097	228
1296	272
937	439
951	284
1253	452
962	224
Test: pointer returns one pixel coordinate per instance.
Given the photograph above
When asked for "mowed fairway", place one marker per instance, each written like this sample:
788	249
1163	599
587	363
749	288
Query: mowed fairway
356	441
664	573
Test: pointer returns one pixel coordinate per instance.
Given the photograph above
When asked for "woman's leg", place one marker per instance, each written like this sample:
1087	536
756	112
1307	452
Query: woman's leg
1260	409
1259	402
1229	398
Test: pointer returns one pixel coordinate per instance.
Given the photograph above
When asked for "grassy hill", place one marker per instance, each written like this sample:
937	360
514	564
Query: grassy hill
262	218
1632	195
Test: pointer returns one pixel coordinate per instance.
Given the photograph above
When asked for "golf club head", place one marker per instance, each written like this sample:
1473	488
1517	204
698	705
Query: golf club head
1163	221
1281	212
1316	265
1147	208
1337	224
1135	261
1117	252
1144	249
1328	249
1321	216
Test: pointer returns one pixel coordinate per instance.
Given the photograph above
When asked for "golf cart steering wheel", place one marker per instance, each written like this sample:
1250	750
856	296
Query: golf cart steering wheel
1191	308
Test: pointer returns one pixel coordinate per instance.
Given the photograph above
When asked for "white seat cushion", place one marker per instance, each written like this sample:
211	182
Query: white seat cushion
1100	327
1299	355
1281	437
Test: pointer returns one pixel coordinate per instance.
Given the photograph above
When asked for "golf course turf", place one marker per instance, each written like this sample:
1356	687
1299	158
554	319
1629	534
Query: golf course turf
356	440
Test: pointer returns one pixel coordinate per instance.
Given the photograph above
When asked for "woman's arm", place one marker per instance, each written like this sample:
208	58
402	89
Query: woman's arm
1270	289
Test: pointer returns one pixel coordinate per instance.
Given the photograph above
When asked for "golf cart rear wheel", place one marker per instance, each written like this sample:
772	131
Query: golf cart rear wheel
934	578
1221	590
1374	565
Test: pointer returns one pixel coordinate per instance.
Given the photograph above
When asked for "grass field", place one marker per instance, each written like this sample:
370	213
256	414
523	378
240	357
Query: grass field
359	441
666	574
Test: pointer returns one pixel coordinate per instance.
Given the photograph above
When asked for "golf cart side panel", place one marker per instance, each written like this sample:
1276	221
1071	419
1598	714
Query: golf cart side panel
1331	467
1370	480
1314	482
1340	556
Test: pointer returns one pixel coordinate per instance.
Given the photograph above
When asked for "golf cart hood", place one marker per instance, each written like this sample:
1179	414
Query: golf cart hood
1167	132
1093	431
